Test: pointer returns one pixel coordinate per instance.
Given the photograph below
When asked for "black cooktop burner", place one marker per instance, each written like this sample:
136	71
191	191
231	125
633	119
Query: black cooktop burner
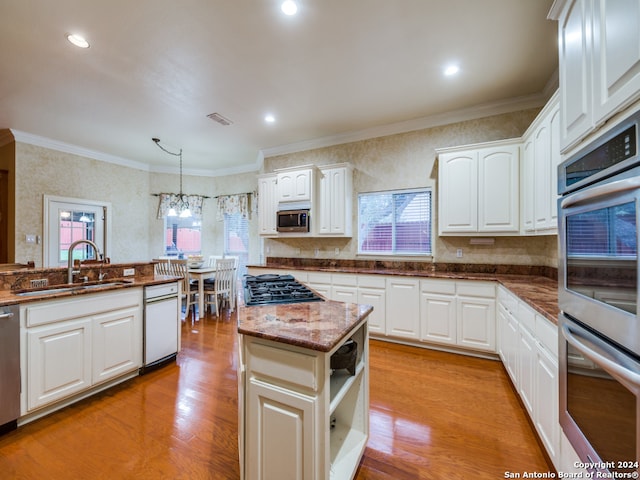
270	289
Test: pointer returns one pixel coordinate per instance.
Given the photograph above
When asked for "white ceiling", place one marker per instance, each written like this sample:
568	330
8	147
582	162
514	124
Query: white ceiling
338	69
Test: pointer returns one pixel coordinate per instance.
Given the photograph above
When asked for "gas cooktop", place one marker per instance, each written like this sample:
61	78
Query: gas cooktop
271	289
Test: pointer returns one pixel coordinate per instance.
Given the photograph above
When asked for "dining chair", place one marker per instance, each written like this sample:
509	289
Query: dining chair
234	284
213	259
162	266
179	268
222	285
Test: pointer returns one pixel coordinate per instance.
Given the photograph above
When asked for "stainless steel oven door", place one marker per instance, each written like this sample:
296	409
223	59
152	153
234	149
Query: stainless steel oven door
598	258
599	400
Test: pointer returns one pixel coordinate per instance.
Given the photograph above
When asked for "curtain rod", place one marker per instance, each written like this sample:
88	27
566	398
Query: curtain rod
158	194
231	194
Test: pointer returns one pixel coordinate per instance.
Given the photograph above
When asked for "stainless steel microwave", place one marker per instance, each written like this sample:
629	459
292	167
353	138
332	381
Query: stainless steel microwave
293	221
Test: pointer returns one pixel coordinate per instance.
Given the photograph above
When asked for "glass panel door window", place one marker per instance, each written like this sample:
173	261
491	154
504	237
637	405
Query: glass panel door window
236	239
76	225
182	236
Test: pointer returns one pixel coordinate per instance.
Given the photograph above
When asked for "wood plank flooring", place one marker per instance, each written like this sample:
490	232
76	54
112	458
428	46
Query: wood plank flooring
433	415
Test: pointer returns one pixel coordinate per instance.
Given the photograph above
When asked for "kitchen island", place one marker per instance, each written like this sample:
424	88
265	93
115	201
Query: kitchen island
298	417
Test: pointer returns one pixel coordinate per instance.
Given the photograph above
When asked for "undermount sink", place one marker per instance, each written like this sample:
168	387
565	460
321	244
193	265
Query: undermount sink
70	288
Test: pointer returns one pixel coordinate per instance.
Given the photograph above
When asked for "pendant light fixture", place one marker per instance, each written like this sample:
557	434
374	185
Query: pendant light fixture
179	207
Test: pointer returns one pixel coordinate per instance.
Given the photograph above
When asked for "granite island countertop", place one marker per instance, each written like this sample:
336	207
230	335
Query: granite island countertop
538	291
318	326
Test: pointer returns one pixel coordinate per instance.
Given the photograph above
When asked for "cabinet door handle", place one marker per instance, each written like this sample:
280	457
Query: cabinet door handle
6	315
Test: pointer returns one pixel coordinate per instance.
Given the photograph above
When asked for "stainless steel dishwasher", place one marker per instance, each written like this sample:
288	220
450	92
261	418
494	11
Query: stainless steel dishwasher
161	324
9	367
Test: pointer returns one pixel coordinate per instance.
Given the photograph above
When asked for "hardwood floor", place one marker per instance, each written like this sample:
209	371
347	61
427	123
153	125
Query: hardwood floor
433	416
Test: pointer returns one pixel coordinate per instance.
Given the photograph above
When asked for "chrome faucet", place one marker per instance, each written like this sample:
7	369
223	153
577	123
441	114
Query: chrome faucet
71	271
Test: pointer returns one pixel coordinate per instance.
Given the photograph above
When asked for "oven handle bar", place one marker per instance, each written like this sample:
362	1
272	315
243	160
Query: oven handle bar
630	378
601	191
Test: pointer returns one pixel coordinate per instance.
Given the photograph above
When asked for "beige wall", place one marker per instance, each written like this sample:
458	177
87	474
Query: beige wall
137	233
408	160
394	162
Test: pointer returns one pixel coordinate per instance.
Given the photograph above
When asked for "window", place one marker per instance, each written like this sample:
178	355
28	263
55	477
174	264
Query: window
236	239
395	222
182	235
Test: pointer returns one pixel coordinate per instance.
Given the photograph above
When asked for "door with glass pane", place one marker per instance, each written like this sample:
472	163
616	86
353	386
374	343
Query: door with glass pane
69	221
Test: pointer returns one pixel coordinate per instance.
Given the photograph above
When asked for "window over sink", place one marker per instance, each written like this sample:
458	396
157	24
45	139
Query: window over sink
395	222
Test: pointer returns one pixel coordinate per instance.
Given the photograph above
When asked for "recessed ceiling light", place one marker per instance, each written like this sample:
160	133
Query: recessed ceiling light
77	40
451	70
269	118
289	7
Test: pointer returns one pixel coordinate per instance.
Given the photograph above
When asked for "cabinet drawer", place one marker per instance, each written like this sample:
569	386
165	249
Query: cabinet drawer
527	317
438	286
508	300
289	367
319	277
476	289
344	280
547	334
371	281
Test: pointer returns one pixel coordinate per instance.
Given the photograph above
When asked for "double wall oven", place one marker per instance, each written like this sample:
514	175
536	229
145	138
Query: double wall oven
598	299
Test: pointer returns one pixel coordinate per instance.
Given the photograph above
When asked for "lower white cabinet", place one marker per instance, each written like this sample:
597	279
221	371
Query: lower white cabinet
372	291
528	347
298	419
282	437
70	345
459	313
58	362
344	288
403	307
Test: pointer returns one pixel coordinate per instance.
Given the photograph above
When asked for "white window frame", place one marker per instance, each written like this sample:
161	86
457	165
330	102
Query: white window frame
428	190
50	201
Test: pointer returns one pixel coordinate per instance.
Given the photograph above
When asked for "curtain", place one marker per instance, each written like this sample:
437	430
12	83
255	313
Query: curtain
166	199
232	204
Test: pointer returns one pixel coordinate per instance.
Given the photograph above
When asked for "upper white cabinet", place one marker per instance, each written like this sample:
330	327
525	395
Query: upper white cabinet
599	46
267	204
296	185
539	180
334	212
479	189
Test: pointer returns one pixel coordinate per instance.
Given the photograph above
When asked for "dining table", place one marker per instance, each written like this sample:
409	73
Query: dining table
201	274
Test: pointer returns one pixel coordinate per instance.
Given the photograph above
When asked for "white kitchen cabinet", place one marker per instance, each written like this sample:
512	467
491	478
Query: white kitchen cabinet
267	204
334	210
117	343
301	419
527	368
344	288
540	159
599	64
296	184
546	401
403	307
507	334
372	291
479	188
58	361
283	433
438	312
74	344
320	282
476	315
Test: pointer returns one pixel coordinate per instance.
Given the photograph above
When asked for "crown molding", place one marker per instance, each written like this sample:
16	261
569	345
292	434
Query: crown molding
479	111
37	140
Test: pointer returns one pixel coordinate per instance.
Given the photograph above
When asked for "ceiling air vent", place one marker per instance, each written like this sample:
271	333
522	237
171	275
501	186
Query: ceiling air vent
216	117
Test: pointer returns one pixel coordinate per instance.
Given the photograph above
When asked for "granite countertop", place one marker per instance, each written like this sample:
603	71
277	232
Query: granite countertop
318	326
539	292
9	297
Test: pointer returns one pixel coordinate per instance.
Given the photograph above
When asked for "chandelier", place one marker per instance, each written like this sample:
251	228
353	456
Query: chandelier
179	205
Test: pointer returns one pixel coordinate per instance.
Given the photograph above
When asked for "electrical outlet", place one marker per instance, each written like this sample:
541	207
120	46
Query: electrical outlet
337	251
298	251
127	272
459	253
317	252
30	238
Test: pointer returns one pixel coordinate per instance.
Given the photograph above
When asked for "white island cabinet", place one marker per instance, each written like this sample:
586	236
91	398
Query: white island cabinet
300	419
